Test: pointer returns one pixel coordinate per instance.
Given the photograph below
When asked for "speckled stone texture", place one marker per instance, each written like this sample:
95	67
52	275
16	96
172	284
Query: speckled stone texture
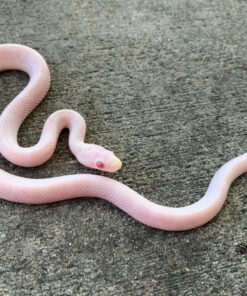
163	84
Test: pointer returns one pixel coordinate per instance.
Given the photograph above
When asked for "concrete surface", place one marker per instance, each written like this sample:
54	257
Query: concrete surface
163	84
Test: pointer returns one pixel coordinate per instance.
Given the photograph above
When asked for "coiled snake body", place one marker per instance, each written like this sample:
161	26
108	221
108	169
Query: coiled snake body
39	191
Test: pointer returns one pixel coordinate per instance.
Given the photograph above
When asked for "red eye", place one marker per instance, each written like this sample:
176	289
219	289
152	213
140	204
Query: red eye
100	164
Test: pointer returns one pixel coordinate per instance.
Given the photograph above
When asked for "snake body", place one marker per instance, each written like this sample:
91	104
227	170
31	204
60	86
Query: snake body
39	191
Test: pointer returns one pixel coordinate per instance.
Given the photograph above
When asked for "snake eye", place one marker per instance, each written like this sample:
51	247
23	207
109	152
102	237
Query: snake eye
99	164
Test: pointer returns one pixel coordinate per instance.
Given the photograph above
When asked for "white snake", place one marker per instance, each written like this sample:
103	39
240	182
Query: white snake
39	191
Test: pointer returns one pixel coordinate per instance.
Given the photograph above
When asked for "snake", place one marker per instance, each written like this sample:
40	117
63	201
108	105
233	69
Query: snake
19	189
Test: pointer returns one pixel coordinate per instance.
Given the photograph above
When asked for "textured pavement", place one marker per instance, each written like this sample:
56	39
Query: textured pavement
164	85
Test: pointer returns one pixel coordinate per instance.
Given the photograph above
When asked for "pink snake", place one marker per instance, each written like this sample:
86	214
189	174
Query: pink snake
39	191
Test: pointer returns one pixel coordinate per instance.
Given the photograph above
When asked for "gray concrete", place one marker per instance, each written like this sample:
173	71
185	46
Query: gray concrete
162	83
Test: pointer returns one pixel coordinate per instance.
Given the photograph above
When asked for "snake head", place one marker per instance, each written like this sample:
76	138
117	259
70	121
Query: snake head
97	157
